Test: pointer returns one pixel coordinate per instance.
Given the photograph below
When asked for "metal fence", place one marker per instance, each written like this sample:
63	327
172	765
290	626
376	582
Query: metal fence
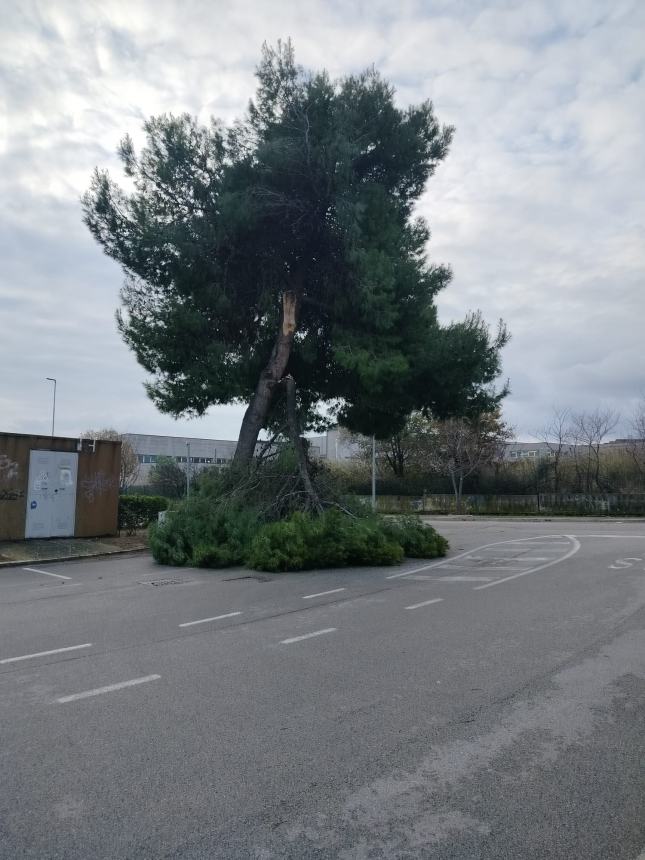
614	504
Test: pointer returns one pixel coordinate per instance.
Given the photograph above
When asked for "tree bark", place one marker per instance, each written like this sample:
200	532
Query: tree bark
296	438
258	409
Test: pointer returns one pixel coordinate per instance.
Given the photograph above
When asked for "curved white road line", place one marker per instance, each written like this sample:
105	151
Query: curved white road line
446	561
574	549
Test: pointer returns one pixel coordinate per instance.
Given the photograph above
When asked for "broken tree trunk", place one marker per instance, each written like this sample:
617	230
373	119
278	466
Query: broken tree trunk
258	409
313	501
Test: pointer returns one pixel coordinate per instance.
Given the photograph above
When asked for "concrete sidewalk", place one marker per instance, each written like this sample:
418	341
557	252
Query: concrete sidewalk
65	549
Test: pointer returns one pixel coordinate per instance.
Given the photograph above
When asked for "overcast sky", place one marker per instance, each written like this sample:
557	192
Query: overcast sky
539	207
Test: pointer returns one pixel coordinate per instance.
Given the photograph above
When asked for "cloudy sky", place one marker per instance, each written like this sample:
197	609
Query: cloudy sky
539	208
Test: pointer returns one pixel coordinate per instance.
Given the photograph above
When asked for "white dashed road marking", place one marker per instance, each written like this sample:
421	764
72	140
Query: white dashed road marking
46	573
425	603
45	653
323	593
109	689
308	635
205	620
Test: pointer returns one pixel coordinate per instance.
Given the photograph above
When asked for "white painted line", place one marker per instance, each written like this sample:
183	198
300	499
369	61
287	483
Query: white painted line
574	549
46	573
308	635
460	578
323	593
214	618
547	543
534	558
423	578
425	603
496	568
497	544
45	653
109	689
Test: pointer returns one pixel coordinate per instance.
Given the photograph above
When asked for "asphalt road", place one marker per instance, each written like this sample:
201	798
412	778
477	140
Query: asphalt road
491	705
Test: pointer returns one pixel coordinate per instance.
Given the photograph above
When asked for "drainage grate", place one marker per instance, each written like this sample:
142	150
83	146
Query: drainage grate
164	582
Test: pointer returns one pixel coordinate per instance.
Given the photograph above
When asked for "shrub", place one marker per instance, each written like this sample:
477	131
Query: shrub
202	534
417	540
137	512
333	539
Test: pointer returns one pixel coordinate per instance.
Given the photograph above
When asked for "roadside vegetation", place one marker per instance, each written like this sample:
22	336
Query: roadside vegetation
258	518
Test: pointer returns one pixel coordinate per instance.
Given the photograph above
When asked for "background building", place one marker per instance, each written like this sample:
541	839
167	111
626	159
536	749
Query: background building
202	452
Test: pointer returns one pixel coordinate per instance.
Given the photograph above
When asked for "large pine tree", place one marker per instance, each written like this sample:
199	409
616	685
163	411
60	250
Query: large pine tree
286	247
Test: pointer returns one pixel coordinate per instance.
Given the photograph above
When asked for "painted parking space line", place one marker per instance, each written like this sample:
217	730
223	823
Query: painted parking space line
86	694
323	593
46	573
308	636
423	578
459	578
496	568
425	603
535	558
206	620
45	653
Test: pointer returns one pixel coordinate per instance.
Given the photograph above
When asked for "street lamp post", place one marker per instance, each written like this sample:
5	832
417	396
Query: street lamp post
374	472
187	470
51	379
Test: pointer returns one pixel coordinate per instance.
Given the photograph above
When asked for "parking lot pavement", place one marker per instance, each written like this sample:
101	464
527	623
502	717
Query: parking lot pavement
487	705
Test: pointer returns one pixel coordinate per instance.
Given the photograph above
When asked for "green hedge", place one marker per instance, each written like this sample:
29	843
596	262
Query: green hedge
138	512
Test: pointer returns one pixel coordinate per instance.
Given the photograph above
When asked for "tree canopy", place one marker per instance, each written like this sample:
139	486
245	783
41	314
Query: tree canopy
287	246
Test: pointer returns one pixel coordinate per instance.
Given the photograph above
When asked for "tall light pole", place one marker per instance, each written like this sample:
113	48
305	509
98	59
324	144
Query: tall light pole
51	379
187	470
374	472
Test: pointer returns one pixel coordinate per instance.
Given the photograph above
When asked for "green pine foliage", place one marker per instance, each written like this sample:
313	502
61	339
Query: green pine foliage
241	518
202	534
333	539
415	539
313	191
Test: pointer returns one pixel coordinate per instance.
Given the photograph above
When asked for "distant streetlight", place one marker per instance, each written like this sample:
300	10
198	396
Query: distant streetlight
187	470
374	472
51	379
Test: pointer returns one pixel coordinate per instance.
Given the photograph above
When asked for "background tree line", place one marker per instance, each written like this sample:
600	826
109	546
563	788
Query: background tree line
467	455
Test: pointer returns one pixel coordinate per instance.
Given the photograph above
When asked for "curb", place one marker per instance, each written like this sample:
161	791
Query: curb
62	558
504	518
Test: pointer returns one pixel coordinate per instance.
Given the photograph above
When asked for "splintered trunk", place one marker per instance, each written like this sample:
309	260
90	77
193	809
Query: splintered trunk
313	501
258	409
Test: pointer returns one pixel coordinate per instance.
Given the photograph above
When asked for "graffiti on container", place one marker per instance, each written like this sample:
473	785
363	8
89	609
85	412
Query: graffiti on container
9	469
9	474
11	495
98	484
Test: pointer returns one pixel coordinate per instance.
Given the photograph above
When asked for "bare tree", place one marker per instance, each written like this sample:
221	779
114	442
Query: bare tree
129	471
464	446
558	436
589	430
